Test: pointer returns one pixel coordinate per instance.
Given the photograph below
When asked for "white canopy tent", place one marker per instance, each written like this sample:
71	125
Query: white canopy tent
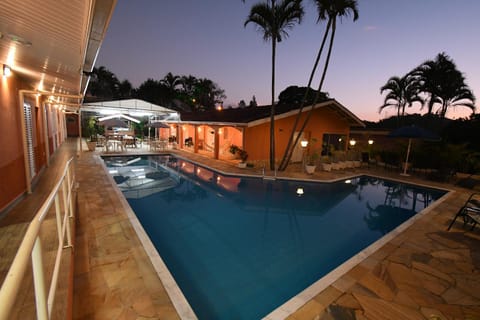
132	107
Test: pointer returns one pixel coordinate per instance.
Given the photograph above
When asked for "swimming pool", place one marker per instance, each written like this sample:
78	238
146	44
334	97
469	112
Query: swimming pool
239	247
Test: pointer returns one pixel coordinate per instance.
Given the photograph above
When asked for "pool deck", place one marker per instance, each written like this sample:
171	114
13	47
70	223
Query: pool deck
422	272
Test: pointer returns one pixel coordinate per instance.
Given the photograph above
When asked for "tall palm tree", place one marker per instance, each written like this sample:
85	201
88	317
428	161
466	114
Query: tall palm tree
273	21
402	92
444	84
328	10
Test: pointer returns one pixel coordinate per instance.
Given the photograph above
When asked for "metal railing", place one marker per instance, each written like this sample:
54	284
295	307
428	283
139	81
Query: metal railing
61	200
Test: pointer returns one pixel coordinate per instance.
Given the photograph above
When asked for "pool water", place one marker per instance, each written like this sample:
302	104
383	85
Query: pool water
240	247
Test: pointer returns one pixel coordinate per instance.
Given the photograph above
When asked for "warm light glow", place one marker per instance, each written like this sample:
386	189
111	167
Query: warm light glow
219	107
300	191
119	115
352	142
199	129
220	131
370	141
7	72
304	143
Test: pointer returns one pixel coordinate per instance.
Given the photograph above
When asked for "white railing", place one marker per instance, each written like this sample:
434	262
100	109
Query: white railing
62	198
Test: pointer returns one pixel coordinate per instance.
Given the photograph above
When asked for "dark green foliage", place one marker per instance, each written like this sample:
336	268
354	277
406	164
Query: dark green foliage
293	95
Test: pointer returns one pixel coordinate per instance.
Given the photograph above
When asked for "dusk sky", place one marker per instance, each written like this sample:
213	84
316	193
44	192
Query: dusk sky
207	39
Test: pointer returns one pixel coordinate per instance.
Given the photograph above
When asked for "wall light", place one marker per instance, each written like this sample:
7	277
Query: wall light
353	142
370	141
304	143
7	71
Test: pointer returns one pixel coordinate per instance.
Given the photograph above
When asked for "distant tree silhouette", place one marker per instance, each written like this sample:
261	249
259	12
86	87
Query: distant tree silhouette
242	104
103	84
444	84
152	91
273	21
295	95
125	89
253	102
401	92
328	10
200	94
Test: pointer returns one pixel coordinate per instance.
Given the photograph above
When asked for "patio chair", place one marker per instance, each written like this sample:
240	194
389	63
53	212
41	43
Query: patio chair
470	211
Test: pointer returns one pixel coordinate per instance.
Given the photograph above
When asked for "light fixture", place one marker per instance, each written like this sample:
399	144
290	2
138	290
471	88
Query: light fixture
304	143
353	142
300	191
348	181
7	71
370	141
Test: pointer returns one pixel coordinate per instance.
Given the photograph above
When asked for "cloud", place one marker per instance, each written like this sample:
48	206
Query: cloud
370	28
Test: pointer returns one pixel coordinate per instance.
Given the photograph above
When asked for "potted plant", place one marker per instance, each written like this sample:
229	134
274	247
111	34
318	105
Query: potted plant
326	163
233	149
311	161
92	133
243	157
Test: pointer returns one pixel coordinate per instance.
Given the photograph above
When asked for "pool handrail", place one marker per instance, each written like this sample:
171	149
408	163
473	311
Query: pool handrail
31	247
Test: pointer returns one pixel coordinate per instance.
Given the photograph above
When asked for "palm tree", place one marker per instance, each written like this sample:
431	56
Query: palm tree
444	84
273	21
328	10
402	92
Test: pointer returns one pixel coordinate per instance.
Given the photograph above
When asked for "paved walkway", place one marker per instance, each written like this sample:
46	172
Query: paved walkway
423	273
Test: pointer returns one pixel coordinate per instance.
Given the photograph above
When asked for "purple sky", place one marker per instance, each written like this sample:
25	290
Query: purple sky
149	38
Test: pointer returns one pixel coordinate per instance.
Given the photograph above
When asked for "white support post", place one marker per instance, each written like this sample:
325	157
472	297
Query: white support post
65	207
58	216
39	281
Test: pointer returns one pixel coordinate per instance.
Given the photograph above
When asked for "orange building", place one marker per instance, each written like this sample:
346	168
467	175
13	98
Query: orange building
212	133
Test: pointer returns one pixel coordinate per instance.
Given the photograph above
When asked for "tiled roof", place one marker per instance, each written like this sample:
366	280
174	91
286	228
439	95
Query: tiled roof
249	114
237	115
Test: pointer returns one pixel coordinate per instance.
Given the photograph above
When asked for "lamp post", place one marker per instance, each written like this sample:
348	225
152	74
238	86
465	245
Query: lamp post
303	144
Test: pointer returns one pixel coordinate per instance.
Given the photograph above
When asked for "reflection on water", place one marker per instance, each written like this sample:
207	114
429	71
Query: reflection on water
240	247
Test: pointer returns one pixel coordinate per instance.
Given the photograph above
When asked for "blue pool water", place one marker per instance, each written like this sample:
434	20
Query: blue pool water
240	247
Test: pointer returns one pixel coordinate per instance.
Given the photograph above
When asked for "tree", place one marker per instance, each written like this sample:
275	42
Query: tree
294	95
253	102
242	104
402	92
125	89
273	21
328	10
444	84
103	84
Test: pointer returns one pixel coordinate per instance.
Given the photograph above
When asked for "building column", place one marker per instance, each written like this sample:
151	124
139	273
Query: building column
216	145
195	138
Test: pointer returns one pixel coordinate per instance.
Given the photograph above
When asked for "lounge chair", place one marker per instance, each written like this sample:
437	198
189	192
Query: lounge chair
470	211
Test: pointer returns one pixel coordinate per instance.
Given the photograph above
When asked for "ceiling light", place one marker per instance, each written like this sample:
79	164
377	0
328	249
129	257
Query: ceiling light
7	71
